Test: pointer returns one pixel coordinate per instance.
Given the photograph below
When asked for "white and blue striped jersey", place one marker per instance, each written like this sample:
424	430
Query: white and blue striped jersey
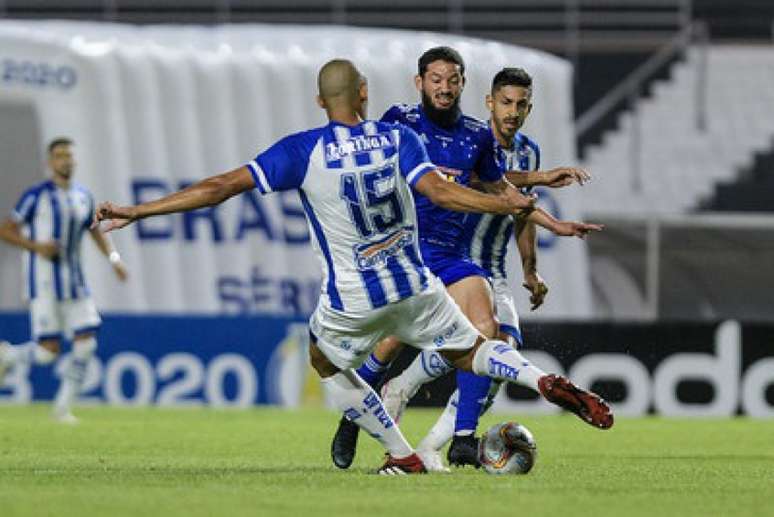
355	186
488	235
50	213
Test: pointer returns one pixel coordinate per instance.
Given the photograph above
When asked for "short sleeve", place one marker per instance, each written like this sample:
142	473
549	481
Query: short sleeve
393	115
282	166
90	201
412	156
24	209
487	167
536	149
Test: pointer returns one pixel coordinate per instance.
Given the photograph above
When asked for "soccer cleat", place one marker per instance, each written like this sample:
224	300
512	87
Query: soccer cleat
402	466
65	418
432	460
344	443
590	407
463	451
394	400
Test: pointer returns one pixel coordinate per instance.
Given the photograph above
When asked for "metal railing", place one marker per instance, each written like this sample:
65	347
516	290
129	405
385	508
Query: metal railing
630	90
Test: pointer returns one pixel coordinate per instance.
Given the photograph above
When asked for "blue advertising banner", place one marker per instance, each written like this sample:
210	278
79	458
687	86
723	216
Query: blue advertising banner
176	361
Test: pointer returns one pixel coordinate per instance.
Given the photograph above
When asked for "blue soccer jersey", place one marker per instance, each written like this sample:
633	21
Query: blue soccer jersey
49	213
487	235
355	187
466	147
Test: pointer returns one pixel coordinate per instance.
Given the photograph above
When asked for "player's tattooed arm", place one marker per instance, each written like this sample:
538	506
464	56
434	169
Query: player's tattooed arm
526	241
456	197
555	178
208	192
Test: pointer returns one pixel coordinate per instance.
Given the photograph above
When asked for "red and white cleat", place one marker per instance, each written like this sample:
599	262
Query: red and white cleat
590	407
402	466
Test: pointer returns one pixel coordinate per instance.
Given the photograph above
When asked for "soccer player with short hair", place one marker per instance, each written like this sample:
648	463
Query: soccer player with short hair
355	178
460	146
49	222
487	236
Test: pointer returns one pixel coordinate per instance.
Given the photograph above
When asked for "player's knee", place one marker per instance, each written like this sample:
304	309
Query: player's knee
388	349
487	326
322	365
47	351
84	346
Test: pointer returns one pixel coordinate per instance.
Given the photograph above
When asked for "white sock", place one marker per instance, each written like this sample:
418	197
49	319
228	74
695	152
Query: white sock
72	381
499	361
443	429
26	353
359	403
426	366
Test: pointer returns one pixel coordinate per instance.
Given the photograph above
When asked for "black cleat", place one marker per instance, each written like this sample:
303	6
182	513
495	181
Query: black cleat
463	451
344	443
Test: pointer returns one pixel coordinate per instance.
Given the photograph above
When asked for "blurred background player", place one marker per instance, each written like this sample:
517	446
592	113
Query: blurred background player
459	145
49	222
354	177
488	238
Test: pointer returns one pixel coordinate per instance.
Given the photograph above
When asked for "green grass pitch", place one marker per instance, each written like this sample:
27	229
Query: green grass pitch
191	462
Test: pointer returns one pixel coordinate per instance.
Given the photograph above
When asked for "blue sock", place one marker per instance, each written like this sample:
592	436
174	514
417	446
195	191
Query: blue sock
372	371
473	394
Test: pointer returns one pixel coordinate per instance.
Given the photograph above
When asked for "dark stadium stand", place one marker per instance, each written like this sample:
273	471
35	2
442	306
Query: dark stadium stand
752	192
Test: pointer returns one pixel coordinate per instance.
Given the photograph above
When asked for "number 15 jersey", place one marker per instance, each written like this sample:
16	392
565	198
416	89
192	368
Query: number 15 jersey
355	186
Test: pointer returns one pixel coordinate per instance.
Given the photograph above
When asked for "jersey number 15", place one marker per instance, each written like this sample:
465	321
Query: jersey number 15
379	209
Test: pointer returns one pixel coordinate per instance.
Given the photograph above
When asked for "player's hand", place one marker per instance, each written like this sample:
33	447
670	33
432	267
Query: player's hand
48	249
537	288
120	270
575	229
518	200
116	216
564	176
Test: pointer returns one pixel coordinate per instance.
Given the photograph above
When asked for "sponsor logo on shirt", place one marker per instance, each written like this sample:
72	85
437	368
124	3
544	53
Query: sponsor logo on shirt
358	145
373	254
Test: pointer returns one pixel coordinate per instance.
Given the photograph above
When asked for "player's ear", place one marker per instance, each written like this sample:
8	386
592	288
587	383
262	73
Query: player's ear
320	102
489	102
418	82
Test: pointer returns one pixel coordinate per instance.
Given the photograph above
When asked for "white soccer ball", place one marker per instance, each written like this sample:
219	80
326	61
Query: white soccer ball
507	448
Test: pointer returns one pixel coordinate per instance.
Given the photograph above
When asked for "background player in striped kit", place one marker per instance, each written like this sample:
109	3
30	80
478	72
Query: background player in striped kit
488	238
459	145
49	222
355	180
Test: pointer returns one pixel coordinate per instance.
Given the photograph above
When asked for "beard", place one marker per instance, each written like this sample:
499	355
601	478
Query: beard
442	117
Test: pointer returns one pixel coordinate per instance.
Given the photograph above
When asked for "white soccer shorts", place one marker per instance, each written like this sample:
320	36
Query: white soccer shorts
505	308
51	318
429	320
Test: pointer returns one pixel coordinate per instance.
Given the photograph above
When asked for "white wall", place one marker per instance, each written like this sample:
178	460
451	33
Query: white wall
175	103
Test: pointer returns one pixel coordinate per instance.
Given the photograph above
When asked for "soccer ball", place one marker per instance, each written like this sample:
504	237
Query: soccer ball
507	448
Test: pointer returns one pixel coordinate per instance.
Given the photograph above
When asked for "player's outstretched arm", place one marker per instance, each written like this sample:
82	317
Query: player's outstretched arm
555	178
453	196
562	228
208	192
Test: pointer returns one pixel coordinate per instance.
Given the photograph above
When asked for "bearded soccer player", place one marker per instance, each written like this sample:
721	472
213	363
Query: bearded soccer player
460	146
48	223
488	238
355	179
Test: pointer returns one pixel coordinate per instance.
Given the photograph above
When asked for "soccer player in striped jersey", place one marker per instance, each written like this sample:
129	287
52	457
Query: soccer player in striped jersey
48	223
461	146
355	178
488	237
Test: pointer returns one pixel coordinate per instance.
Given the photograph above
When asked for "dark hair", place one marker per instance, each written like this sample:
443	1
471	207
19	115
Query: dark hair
447	54
57	142
511	77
